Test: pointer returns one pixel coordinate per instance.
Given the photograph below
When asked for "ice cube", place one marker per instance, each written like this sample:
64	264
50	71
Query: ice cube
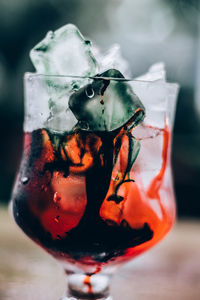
46	106
149	160
112	59
61	122
64	52
105	105
156	72
159	99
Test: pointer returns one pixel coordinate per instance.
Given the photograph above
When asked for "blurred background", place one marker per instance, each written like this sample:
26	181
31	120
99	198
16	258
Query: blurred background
148	31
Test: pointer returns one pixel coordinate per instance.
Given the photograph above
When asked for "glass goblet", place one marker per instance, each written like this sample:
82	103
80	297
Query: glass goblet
94	188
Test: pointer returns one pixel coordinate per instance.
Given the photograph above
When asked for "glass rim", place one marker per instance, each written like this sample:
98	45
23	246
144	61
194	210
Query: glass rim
29	75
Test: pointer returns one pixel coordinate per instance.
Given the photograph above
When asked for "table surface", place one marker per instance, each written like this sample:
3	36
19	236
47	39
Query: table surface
169	271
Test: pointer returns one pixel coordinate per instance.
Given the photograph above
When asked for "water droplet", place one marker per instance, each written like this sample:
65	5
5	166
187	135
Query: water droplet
56	219
56	197
89	92
24	180
102	254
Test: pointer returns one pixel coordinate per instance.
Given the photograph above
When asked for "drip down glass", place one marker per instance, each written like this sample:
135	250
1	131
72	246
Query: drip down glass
94	188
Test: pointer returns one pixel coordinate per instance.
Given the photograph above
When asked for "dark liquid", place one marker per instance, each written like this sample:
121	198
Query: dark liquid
62	201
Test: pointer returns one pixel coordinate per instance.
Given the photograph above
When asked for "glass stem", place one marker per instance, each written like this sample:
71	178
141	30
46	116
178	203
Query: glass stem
83	286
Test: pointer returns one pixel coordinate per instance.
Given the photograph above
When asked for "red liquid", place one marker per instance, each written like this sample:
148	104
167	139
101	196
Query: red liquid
66	204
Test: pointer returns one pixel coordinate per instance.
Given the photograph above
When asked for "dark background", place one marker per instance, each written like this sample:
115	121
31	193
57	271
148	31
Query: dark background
147	30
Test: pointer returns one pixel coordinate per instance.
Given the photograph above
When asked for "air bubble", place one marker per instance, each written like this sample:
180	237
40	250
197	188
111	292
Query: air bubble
89	92
25	180
56	197
75	87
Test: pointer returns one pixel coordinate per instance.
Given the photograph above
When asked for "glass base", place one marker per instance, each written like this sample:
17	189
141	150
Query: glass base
83	287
